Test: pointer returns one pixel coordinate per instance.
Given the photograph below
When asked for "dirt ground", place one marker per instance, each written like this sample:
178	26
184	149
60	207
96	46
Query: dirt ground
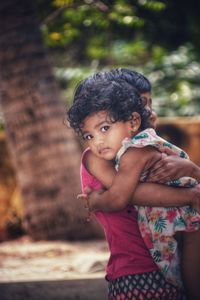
52	270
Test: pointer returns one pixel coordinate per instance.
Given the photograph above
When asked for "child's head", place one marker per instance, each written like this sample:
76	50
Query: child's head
135	79
106	112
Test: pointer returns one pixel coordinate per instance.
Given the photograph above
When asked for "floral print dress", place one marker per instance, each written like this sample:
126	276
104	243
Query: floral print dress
158	224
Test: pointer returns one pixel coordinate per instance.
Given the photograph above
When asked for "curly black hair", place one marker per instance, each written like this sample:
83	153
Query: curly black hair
134	78
118	98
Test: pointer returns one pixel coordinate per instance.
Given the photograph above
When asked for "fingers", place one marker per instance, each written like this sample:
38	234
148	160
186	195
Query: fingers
81	196
156	172
88	190
159	163
168	151
85	197
86	205
158	177
164	170
162	175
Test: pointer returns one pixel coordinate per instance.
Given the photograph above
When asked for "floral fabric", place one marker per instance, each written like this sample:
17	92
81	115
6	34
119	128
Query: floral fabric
157	224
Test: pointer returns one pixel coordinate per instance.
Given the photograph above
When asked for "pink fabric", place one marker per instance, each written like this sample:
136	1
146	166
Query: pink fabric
128	253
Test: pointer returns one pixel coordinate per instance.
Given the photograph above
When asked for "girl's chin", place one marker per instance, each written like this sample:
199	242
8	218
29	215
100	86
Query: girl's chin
107	155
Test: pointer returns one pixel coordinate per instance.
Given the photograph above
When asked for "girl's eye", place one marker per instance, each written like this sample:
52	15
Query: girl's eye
105	128
87	137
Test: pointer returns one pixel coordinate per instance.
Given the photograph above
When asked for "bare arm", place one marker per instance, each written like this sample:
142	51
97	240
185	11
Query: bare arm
133	162
147	194
100	168
173	167
160	195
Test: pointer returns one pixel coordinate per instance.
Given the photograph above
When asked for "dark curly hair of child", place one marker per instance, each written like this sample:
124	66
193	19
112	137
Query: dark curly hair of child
118	98
138	80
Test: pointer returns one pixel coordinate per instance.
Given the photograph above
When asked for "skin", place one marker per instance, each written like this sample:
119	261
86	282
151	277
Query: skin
104	139
167	167
173	167
103	136
99	162
170	166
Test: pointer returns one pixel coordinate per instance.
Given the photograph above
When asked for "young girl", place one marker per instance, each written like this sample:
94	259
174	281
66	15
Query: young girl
169	166
113	111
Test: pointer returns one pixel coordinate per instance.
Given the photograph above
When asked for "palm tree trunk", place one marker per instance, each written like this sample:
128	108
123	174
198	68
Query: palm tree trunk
45	152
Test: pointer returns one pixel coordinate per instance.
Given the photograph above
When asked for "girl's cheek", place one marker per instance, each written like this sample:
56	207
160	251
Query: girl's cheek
90	145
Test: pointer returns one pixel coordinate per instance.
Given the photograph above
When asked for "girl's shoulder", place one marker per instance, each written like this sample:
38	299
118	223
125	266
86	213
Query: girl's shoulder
91	162
98	168
86	158
87	179
140	140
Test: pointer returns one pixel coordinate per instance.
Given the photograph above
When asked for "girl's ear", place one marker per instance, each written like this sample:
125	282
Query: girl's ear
135	122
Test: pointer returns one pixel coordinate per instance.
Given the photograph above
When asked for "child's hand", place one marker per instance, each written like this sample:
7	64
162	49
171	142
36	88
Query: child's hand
84	197
93	198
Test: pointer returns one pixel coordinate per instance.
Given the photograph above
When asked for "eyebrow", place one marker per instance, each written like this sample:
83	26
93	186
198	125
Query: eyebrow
97	125
100	123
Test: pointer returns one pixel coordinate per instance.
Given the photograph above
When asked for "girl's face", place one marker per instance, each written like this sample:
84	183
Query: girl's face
103	136
148	105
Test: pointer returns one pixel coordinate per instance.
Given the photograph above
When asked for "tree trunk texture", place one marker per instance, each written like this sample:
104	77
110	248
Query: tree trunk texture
46	153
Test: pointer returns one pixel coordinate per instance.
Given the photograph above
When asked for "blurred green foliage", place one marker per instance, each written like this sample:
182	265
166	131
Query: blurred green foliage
176	82
98	29
157	38
175	79
96	24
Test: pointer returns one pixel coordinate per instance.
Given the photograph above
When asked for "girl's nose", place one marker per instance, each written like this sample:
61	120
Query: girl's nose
98	140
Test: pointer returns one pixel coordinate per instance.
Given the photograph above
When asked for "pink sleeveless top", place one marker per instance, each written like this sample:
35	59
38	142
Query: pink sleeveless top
128	253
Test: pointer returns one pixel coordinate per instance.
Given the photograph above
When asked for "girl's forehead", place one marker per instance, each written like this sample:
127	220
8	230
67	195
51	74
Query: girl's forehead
95	119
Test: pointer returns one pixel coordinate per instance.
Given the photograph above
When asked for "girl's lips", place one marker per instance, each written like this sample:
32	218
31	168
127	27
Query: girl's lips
104	150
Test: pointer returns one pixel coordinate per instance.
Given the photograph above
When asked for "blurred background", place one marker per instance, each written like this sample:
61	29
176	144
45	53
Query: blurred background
47	47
